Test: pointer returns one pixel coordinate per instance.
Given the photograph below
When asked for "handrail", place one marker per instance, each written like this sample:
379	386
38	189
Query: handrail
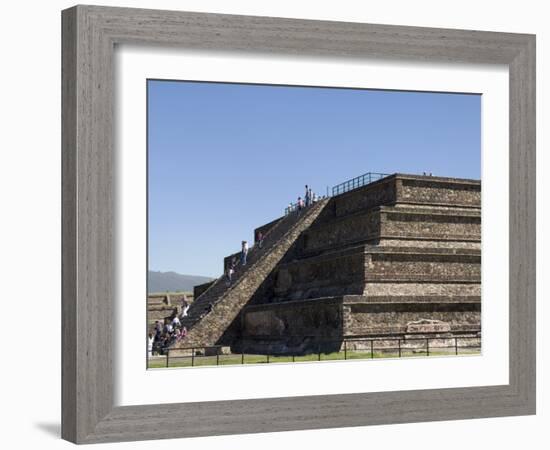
357	182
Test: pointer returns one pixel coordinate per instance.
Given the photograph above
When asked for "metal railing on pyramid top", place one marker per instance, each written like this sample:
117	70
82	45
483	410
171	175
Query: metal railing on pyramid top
357	182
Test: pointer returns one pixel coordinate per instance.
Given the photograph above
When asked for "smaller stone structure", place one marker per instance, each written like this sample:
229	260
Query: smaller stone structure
164	307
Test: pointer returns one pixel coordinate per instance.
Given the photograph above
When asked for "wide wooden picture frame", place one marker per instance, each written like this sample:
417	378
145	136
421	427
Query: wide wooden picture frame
90	34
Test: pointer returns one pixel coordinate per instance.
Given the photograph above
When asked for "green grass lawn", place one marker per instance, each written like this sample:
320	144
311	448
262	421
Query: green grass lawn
234	359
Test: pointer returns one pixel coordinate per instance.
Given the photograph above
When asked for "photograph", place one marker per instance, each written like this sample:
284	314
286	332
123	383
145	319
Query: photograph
291	224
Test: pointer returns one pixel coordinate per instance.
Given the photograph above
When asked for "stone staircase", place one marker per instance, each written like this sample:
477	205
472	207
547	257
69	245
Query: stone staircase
213	311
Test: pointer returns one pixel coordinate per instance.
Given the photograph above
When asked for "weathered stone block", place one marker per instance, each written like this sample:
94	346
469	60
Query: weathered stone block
428	326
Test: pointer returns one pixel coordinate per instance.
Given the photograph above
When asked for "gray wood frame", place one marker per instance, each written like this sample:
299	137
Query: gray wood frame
89	36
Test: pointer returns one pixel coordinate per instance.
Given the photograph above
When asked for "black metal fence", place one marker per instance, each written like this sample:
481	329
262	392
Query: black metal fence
348	349
357	182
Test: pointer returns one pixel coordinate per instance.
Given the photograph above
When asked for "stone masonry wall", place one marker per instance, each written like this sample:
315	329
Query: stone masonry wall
400	288
379	193
321	317
378	319
338	273
392	222
347	271
415	223
302	327
439	191
342	231
423	266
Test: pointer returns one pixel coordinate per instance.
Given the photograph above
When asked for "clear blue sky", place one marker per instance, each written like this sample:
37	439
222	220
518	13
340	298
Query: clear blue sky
226	158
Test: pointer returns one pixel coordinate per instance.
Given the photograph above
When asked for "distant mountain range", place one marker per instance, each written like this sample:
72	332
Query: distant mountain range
173	282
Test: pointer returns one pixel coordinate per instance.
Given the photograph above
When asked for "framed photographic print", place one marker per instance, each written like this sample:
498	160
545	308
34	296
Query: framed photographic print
284	204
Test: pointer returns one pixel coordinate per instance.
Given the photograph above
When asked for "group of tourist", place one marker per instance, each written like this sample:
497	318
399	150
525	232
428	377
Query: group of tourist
308	199
167	332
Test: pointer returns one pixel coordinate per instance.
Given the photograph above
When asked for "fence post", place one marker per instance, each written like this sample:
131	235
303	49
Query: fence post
242	356
371	350
217	356
267	358
167	357
399	345
345	350
456	345
293	358
427	346
192	357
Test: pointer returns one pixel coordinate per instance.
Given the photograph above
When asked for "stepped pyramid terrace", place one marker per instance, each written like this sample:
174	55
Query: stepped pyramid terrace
398	256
